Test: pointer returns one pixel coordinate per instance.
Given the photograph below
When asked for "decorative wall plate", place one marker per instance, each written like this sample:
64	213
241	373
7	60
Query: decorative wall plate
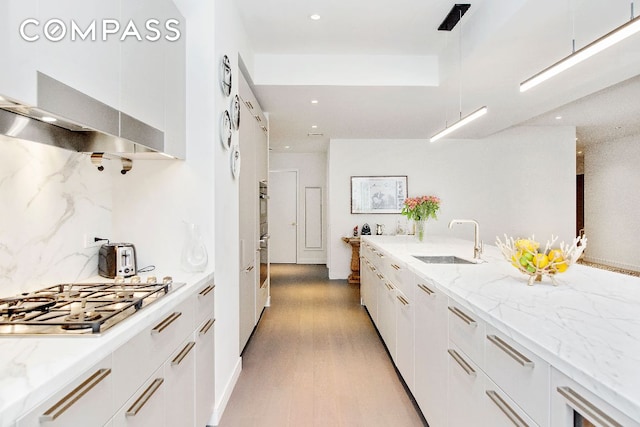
235	161
235	112
225	79
225	130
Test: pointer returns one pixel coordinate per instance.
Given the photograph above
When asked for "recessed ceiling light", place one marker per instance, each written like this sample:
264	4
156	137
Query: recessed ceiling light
287	146
314	126
558	117
314	101
579	152
49	119
314	17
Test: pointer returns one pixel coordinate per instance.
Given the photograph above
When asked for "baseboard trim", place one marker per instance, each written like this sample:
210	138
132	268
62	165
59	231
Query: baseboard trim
226	395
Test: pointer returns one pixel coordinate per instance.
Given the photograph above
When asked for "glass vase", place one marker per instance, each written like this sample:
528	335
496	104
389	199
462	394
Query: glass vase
194	253
421	228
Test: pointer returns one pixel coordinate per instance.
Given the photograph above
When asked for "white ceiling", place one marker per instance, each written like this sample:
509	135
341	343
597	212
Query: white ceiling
501	43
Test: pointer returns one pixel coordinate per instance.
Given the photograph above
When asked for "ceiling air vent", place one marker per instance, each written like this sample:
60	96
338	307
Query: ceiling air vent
454	16
315	134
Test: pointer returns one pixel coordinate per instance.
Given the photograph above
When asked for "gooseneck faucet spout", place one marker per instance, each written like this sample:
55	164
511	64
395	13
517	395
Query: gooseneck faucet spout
477	245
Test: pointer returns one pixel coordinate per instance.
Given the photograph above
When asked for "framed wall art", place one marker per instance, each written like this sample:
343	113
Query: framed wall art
378	194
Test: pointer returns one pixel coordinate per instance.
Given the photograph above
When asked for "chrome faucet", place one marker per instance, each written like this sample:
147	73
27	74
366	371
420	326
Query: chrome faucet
477	244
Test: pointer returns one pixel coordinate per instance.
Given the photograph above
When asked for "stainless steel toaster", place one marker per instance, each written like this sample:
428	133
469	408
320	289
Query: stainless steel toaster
117	259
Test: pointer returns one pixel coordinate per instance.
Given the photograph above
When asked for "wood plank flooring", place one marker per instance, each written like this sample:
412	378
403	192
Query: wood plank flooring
316	360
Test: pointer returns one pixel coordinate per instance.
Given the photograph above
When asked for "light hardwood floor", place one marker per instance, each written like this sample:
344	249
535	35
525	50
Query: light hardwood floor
316	360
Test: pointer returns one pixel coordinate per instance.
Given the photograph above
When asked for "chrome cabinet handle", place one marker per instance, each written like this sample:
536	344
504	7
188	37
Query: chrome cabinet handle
66	402
468	320
396	267
206	327
389	286
183	353
515	354
402	300
379	254
165	323
463	363
589	409
206	290
506	409
144	397
248	269
426	289
380	276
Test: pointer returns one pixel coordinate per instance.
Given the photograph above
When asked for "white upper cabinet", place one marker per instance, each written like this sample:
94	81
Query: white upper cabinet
90	65
18	74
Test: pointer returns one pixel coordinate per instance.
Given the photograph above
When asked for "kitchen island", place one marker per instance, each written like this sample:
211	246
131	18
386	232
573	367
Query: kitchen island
586	329
38	371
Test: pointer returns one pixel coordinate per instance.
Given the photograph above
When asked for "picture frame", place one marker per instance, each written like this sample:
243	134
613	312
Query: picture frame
378	194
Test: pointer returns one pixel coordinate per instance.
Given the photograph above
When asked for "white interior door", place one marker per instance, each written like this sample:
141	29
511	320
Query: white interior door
283	216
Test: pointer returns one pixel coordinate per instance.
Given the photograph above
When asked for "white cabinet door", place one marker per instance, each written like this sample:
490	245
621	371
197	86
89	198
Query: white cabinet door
17	81
570	401
466	389
179	374
387	314
147	406
205	371
175	91
142	66
247	304
405	346
89	66
87	401
502	411
431	357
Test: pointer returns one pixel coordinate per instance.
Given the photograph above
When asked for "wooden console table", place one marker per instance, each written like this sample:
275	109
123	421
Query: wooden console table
354	277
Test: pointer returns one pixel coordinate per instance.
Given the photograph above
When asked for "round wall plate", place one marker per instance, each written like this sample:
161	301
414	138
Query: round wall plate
235	161
235	112
225	130
225	79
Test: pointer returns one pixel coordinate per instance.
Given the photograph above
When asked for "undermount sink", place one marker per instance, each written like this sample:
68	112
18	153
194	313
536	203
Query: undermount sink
442	259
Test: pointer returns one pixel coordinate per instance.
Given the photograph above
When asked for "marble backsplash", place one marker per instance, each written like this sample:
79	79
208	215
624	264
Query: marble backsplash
49	198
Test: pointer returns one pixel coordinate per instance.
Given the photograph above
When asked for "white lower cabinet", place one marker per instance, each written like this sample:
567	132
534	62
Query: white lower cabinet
180	391
572	404
466	389
87	401
163	376
519	372
431	357
205	371
405	345
387	314
500	410
146	407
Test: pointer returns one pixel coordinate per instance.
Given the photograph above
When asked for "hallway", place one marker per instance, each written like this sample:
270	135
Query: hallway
316	360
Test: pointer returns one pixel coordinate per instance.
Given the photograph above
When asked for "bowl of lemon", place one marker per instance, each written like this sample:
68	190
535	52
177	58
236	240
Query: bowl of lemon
529	258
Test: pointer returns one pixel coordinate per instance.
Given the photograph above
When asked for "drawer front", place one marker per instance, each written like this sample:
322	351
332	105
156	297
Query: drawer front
147	405
466	388
204	302
87	401
135	361
467	332
179	375
520	373
400	276
378	259
501	411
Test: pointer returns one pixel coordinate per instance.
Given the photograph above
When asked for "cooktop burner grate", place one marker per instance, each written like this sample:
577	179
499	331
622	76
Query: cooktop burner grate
78	308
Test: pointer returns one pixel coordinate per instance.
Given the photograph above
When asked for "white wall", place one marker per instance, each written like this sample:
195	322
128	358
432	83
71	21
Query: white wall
612	202
520	182
312	172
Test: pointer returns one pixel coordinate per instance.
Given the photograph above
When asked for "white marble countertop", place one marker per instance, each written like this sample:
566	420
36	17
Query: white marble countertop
33	368
587	327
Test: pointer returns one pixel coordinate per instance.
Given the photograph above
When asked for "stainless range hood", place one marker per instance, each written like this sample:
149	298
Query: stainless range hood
69	119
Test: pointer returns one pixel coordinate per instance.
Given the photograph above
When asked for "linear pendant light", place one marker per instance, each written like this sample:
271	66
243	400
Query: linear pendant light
608	40
457	125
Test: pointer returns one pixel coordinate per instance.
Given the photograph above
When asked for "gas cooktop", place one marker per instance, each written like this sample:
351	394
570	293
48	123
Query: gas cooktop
85	309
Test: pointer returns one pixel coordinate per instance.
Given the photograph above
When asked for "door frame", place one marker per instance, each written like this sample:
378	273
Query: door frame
297	205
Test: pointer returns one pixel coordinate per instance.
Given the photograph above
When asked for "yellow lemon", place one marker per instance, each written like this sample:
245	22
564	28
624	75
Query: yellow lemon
562	266
555	255
527	245
540	260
